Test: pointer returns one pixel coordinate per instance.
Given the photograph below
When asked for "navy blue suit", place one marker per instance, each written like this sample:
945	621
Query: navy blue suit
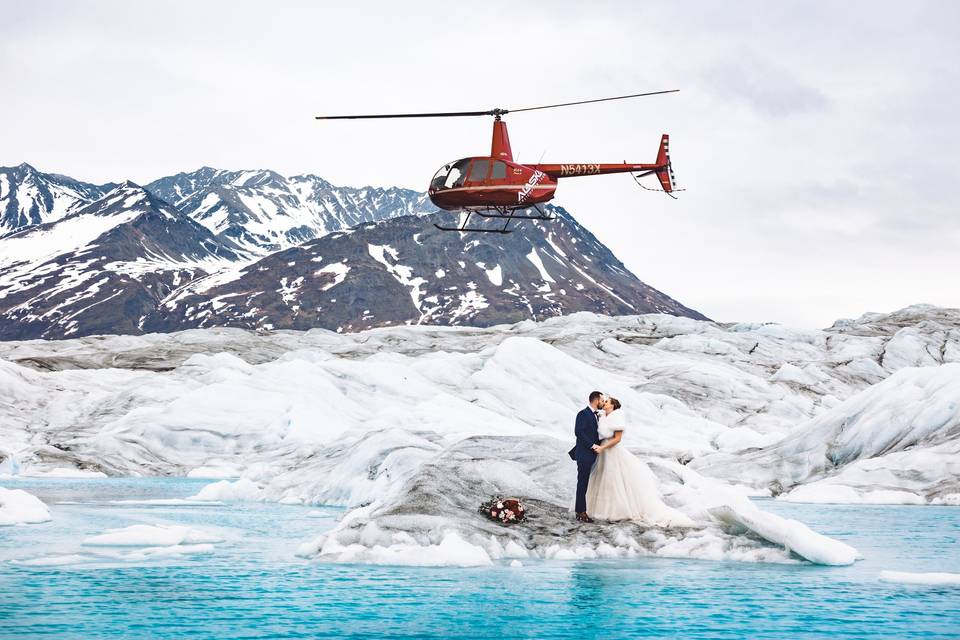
587	436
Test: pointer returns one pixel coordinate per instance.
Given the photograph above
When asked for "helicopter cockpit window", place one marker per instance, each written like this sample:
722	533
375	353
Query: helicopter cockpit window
499	170
478	170
441	177
450	175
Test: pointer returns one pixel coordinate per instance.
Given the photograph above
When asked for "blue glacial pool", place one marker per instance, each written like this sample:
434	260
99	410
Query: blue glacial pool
252	586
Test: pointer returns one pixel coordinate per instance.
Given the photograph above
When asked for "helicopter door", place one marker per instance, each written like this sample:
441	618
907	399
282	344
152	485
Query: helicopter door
479	170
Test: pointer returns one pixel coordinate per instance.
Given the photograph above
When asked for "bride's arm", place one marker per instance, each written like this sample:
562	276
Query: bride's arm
612	442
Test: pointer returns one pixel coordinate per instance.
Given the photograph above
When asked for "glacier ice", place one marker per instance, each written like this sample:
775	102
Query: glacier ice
381	421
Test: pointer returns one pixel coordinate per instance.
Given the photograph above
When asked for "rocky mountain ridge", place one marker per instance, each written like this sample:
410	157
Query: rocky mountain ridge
254	249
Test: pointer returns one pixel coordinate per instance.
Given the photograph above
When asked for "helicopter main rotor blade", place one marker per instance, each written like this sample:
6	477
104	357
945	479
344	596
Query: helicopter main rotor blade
570	104
490	112
409	115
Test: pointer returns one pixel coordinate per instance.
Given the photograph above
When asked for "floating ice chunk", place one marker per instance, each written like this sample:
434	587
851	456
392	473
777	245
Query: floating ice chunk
793	535
516	564
905	577
451	551
55	560
829	493
19	507
237	491
145	535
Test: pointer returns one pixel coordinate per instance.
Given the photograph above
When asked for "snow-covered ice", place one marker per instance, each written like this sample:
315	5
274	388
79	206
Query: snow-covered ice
379	421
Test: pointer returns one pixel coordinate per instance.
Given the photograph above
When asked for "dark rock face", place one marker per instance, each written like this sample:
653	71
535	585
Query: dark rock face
121	259
405	271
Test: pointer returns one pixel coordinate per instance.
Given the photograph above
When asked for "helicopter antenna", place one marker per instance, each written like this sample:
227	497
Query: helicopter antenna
496	113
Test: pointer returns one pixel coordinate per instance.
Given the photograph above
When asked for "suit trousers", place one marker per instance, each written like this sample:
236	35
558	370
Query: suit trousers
583	478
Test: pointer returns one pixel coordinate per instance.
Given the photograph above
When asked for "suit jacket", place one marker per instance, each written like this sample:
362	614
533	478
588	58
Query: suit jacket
587	436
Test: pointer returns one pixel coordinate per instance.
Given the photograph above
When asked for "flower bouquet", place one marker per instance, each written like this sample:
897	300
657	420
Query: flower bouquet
504	510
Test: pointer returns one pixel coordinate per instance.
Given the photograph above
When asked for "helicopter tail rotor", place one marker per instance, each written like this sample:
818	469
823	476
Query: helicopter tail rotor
663	169
665	172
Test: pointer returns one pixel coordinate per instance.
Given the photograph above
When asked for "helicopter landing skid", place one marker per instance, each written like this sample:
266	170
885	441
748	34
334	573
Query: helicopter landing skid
499	213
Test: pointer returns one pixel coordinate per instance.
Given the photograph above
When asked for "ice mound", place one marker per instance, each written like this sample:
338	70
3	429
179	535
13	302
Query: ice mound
905	577
19	507
431	517
897	442
145	535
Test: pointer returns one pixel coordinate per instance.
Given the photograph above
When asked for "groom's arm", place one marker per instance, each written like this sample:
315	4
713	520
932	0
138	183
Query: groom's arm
584	433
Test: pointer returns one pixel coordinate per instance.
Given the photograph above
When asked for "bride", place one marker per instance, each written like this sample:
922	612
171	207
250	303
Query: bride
621	486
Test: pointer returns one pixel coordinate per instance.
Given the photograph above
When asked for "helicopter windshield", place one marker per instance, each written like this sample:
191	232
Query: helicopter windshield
450	175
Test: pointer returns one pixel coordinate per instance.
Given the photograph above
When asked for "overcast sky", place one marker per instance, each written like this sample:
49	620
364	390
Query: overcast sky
819	141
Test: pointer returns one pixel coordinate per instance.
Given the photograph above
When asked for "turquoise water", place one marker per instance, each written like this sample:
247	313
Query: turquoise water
252	586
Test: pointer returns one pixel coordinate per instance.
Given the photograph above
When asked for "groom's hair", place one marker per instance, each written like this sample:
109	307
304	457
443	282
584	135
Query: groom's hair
594	395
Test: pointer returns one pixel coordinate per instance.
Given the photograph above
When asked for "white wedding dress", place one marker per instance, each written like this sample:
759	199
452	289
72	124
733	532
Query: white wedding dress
622	487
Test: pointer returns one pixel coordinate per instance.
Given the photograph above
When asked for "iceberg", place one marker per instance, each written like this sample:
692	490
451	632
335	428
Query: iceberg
19	507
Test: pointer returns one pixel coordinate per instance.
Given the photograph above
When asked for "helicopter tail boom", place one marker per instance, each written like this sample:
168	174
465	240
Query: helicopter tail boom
661	167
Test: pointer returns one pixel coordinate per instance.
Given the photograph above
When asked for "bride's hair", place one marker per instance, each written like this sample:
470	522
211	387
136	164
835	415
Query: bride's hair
614	402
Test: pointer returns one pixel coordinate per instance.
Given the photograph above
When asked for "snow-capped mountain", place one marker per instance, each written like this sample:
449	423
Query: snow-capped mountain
255	249
102	268
403	271
29	197
262	211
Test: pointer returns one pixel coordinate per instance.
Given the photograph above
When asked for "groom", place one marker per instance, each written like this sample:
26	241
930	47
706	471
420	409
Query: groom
585	451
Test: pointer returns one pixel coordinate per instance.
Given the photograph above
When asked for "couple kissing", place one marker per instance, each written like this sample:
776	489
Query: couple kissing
612	483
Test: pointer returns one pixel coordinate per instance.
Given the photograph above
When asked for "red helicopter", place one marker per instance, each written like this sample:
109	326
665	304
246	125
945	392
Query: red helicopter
495	186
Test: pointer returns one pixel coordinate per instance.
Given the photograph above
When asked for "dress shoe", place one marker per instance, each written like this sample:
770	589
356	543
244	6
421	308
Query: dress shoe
583	517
